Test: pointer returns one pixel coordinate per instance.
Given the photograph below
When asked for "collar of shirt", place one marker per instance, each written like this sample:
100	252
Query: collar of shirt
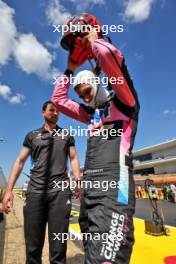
46	134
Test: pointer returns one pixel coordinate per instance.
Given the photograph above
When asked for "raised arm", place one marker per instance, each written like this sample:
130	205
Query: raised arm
65	104
111	62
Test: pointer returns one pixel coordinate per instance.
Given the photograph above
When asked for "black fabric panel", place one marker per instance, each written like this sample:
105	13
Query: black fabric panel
129	111
129	82
87	108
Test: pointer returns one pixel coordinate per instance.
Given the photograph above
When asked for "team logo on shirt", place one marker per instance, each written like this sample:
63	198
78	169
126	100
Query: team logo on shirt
39	135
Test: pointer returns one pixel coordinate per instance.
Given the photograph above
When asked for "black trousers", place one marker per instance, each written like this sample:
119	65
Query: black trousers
39	209
109	224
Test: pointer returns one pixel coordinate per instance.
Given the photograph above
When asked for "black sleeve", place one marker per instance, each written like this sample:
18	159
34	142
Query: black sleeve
68	72
27	141
71	142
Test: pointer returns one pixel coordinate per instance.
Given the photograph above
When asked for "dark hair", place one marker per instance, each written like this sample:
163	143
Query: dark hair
46	104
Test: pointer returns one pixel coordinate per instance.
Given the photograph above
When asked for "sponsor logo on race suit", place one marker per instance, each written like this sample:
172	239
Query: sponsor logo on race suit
116	237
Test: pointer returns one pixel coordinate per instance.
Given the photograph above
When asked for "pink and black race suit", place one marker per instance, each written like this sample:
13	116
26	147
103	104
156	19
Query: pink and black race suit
108	159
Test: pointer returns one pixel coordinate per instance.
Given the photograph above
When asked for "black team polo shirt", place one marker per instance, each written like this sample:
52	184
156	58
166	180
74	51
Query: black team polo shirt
49	154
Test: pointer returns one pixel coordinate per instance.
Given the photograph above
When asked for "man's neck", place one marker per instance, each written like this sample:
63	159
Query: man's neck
49	127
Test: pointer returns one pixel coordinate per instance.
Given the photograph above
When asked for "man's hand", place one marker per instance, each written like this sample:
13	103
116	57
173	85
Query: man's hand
76	169
78	189
77	193
7	202
90	38
15	172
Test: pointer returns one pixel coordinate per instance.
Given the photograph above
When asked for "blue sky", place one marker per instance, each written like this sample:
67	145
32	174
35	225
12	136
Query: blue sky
30	57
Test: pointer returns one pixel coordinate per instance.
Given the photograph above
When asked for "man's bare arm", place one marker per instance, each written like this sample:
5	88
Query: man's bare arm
76	169
74	163
14	174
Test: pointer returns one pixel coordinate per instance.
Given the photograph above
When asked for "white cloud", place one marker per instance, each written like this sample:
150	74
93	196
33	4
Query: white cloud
167	112
8	32
17	99
138	10
6	93
83	5
51	45
56	13
32	56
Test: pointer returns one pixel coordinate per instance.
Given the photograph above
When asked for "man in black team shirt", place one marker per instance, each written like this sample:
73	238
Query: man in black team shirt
49	151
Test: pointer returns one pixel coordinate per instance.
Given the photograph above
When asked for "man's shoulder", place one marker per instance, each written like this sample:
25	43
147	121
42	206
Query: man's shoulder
34	132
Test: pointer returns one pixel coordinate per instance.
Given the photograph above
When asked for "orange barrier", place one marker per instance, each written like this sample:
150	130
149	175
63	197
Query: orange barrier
164	180
156	179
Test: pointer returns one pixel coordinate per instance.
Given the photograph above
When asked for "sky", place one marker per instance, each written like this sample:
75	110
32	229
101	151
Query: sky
31	57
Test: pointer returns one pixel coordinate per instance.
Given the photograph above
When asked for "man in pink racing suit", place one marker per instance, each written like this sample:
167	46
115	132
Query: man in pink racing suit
107	159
